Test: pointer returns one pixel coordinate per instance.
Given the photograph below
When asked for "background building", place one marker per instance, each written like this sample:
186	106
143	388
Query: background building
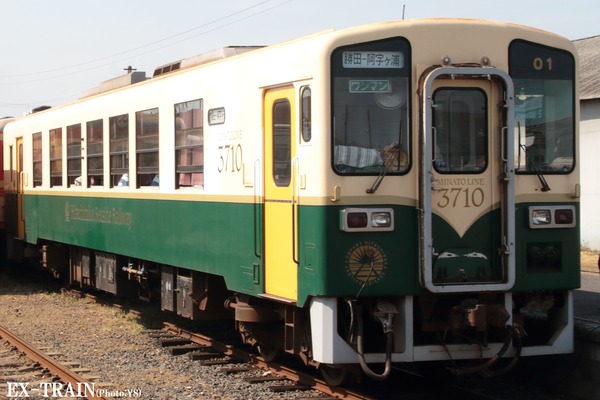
589	153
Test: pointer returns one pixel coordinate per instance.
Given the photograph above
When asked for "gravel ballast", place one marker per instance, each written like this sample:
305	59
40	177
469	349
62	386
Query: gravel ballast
114	345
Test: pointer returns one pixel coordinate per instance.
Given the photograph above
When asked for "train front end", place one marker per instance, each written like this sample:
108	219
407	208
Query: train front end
453	199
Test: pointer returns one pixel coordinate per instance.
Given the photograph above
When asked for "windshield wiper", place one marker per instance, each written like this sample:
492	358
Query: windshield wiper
377	182
534	167
397	148
531	163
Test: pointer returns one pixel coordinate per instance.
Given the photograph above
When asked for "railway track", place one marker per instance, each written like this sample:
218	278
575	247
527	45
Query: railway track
213	352
278	372
235	371
28	372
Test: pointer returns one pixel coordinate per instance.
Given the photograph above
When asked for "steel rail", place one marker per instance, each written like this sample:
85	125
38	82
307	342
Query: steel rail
281	370
54	367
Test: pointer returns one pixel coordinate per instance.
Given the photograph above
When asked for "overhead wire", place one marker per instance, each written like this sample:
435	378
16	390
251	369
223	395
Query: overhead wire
158	41
166	39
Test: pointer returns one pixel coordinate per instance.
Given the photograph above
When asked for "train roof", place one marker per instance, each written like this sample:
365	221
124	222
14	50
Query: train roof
4	121
139	76
134	77
204	58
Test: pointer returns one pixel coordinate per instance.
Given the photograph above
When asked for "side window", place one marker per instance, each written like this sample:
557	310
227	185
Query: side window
56	157
94	153
306	114
74	155
37	159
119	150
146	133
282	145
189	144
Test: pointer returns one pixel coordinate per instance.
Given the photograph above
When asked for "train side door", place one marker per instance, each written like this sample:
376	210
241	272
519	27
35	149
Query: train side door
281	273
20	191
467	183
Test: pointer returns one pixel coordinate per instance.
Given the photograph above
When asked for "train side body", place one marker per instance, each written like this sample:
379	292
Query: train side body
337	180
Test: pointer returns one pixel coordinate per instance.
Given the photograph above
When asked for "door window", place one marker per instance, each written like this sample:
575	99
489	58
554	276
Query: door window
282	143
460	133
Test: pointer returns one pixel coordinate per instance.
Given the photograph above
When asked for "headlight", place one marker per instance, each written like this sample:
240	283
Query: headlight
367	220
551	217
381	219
541	217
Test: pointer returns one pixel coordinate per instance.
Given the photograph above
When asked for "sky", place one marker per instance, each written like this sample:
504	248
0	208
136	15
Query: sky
53	51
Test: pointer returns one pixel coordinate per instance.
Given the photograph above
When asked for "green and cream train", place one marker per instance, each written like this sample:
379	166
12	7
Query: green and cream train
397	192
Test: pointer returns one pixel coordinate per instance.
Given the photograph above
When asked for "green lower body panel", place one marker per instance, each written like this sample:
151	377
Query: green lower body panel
226	239
216	238
547	258
337	263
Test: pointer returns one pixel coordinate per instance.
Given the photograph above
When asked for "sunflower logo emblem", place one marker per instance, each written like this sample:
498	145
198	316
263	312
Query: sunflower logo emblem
366	263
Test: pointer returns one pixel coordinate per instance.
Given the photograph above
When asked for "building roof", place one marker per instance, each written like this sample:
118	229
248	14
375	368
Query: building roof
589	67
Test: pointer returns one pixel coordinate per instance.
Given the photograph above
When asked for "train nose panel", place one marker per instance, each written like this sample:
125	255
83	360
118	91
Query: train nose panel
462	266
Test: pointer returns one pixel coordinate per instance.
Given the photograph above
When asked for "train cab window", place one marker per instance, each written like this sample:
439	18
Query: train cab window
119	150
370	121
305	111
37	159
56	178
282	145
189	144
95	162
146	132
74	155
544	82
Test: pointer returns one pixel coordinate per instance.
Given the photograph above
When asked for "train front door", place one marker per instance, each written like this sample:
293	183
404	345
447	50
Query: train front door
281	273
467	182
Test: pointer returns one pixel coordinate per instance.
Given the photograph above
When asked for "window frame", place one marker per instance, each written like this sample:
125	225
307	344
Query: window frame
145	121
282	142
192	172
56	157
95	152
451	140
306	114
384	154
74	142
118	133
535	64
37	157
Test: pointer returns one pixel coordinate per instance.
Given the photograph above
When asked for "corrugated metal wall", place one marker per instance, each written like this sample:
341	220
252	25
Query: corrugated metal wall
589	157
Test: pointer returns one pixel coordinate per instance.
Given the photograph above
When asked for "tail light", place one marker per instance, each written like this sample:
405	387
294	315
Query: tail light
367	220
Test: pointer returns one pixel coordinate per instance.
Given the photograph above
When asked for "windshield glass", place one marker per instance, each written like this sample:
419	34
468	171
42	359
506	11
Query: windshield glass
370	89
544	108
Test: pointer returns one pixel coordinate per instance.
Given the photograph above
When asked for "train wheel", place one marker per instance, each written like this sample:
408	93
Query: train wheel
335	375
268	353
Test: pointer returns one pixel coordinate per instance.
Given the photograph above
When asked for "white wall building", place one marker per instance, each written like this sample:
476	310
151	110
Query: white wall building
589	152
